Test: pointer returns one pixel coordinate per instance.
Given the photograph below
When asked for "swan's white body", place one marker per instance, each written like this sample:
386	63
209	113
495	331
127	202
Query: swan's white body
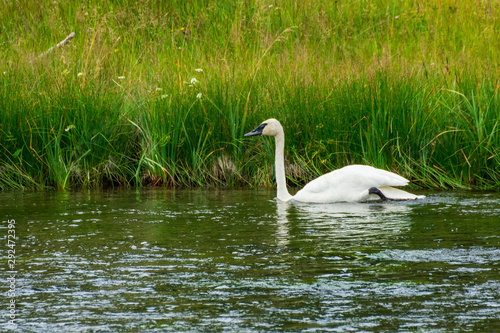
353	183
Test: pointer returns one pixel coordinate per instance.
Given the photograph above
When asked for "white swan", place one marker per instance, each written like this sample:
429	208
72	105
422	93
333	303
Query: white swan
353	183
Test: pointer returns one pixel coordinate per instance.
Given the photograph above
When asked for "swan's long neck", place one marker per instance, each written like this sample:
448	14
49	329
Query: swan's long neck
283	194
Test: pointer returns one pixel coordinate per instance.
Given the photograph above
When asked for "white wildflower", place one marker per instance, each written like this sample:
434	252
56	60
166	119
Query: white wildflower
193	80
198	70
199	95
121	77
79	74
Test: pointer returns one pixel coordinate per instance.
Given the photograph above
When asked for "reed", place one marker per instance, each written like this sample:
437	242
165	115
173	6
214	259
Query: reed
161	93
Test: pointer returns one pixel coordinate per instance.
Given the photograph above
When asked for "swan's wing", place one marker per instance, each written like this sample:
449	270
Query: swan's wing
349	184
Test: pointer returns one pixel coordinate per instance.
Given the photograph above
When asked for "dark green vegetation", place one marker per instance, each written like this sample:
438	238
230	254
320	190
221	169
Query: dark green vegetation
409	87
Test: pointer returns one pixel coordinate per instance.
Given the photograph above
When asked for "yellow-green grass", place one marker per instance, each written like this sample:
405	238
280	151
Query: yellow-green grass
161	93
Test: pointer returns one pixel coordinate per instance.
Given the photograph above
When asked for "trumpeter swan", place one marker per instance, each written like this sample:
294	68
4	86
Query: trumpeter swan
353	183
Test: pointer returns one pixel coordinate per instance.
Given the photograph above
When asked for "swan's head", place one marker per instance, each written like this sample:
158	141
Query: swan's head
270	127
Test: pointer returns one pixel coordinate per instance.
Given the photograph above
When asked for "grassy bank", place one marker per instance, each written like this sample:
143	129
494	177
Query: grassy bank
149	93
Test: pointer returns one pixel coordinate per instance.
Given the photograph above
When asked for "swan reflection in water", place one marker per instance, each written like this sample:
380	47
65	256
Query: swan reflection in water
340	222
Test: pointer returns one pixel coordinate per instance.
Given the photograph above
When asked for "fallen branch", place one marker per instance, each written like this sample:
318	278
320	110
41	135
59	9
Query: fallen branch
61	44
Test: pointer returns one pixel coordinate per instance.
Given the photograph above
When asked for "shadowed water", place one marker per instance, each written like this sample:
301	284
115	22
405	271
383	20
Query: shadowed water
157	260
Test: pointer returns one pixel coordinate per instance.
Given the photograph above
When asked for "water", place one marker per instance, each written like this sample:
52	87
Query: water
156	260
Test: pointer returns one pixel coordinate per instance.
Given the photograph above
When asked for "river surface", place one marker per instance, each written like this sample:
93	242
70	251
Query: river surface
158	260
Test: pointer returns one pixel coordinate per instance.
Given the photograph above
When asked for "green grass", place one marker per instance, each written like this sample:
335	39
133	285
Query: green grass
409	87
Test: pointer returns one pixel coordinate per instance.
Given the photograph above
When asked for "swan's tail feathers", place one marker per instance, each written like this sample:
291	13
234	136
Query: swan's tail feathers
398	195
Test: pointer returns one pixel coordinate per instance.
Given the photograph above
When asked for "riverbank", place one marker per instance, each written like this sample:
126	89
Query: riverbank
161	94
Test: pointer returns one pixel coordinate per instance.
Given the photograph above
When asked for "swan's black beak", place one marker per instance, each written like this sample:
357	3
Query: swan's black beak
256	131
